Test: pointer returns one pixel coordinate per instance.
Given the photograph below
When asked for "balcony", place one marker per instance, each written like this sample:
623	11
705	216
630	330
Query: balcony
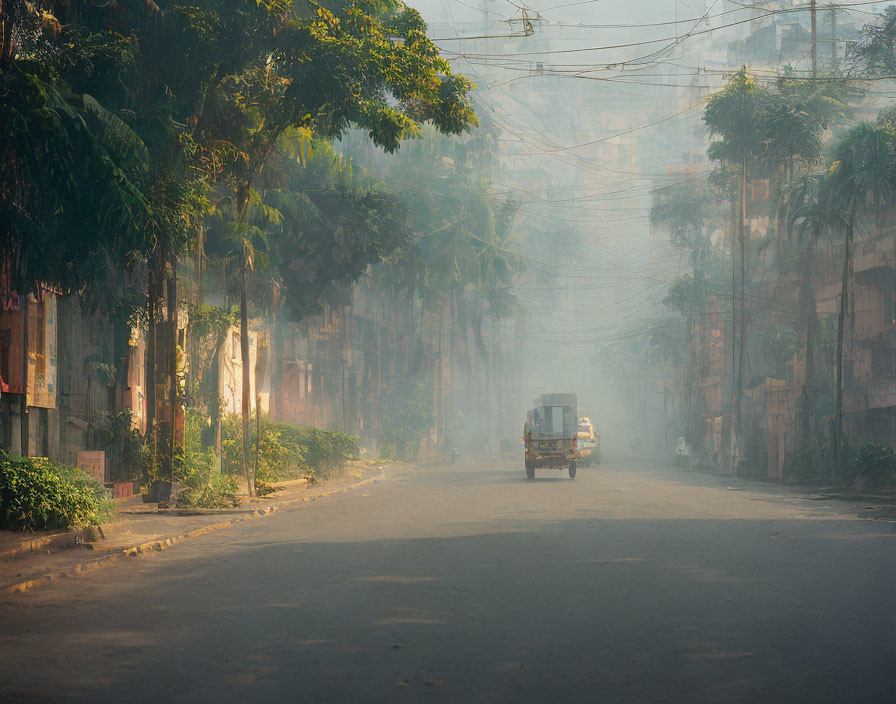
877	393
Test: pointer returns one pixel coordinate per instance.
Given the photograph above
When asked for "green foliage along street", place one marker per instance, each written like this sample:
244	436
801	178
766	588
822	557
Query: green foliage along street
304	219
202	213
446	351
40	495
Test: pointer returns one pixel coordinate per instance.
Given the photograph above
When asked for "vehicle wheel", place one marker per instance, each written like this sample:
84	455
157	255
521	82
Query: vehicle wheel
530	470
572	471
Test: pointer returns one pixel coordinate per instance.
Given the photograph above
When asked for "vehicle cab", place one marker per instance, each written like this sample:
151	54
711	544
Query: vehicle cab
588	443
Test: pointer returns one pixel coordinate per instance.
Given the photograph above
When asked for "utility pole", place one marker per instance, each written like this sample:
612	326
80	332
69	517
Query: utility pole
814	35
25	419
676	21
833	39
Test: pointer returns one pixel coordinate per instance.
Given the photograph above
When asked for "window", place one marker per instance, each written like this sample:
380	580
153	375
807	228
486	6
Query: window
555	420
889	302
759	189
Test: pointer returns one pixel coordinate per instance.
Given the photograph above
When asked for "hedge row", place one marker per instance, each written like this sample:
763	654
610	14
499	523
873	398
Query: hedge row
37	494
288	451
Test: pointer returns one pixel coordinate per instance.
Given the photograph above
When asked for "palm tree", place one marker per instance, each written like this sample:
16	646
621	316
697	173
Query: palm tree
239	240
731	116
685	211
322	74
793	119
808	214
865	166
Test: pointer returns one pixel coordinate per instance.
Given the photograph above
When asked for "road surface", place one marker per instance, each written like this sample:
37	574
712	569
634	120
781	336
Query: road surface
470	584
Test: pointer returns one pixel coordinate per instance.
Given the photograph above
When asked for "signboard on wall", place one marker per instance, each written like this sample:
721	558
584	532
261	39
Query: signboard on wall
41	379
94	463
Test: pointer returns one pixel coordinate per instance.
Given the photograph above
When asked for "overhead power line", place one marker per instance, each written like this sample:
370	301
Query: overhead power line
628	131
673	40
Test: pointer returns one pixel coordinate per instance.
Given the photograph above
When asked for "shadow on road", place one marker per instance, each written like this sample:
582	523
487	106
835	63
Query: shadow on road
571	610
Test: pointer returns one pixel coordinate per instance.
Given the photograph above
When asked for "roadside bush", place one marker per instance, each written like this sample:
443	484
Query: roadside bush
388	450
288	451
222	491
407	418
314	453
195	469
198	464
127	455
873	465
273	458
37	494
203	486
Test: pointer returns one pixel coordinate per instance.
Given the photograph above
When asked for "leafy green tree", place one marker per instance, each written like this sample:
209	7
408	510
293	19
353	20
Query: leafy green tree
874	54
72	190
335	223
685	210
732	118
146	121
809	214
458	266
771	132
145	136
362	63
864	167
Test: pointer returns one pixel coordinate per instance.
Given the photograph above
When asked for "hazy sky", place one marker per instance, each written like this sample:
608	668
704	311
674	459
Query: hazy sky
603	11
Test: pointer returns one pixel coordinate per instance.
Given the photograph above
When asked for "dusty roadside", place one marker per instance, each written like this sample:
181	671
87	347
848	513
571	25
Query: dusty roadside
29	560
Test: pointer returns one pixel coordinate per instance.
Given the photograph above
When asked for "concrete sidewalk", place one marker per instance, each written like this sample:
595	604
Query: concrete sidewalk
28	560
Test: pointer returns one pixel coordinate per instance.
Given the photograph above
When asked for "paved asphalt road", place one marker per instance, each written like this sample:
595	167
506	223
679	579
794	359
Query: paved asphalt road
470	584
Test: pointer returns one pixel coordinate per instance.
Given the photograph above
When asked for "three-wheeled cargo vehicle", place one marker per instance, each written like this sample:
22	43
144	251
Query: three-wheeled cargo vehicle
551	433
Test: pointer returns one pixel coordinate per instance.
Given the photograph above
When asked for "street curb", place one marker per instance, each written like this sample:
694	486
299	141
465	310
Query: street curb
811	491
164	543
45	543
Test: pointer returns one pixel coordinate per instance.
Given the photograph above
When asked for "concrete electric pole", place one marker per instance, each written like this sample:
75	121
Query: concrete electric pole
814	35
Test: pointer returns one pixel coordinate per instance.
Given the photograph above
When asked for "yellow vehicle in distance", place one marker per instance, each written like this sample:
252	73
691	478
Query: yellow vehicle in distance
588	443
550	434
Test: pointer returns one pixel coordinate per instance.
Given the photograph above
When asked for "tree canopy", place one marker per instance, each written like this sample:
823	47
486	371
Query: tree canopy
874	54
143	138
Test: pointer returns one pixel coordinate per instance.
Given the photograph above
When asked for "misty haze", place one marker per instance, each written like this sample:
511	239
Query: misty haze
464	351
